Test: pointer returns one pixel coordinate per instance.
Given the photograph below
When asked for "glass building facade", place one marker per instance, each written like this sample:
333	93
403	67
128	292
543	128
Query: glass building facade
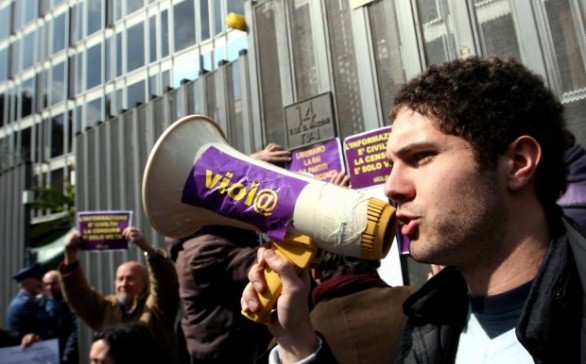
66	66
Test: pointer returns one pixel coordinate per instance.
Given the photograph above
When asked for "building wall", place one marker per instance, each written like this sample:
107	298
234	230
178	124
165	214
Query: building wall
14	217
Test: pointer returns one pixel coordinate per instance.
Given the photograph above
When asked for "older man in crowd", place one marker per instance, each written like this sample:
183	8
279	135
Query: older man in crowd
149	295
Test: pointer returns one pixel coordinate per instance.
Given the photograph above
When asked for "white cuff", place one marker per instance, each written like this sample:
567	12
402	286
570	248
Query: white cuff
275	358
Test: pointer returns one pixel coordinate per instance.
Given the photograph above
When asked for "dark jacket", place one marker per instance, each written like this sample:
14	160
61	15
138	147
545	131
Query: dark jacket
550	325
213	270
67	333
27	314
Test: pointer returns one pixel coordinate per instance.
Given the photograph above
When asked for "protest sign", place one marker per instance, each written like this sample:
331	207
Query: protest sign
366	157
42	352
321	160
102	230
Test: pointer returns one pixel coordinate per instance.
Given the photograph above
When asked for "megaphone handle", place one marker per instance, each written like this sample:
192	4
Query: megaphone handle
300	251
268	298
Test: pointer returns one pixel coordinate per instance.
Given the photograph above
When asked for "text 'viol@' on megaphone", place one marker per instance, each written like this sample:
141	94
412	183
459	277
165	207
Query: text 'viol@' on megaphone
193	178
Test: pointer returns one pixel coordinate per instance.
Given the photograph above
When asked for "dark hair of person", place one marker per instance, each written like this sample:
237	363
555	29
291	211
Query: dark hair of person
332	265
490	102
131	343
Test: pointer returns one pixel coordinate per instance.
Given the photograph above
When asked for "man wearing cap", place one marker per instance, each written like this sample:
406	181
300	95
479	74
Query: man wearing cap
30	311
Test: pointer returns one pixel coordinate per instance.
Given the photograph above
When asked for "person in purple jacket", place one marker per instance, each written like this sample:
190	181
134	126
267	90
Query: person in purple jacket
573	201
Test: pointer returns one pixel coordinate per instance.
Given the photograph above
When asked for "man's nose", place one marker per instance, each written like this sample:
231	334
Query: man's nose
398	186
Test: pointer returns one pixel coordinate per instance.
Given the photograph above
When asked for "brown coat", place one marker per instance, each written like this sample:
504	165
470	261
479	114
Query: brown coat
213	270
362	327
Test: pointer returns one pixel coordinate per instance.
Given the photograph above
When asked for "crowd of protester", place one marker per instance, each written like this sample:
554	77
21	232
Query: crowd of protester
479	182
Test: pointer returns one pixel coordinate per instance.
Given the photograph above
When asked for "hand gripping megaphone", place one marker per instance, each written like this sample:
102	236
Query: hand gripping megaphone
193	178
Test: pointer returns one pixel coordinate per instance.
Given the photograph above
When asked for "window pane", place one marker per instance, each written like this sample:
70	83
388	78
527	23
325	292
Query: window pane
40	141
59	33
6	21
73	25
93	112
78	120
25	144
57	136
235	46
95	16
94	66
436	26
136	94
43	89
3	119
219	53
79	16
57	179
205	19
27	93
117	10
108	46
118	55
218	18
58	83
69	131
11	108
497	29
164	34
135	47
30	10
14	47
184	24
567	32
28	50
236	6
78	72
152	39
3	64
42	50
207	61
186	67
133	5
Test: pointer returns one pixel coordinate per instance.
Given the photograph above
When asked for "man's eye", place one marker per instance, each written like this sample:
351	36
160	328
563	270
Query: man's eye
422	157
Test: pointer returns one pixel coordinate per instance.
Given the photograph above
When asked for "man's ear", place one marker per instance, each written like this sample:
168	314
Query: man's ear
524	156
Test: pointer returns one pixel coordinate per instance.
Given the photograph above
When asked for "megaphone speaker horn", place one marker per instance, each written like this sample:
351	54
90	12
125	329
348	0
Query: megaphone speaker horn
166	171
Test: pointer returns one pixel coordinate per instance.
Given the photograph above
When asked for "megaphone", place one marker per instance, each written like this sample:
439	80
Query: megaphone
194	178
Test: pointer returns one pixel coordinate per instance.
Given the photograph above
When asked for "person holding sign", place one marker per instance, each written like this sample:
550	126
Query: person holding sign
149	295
477	147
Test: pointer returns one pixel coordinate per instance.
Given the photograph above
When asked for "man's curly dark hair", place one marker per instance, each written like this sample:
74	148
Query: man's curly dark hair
490	102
